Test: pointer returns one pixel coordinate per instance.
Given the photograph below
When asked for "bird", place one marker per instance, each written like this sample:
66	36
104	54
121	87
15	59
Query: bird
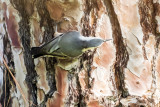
67	45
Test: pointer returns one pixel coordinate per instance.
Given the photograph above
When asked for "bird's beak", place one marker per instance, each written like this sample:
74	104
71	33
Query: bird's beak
107	40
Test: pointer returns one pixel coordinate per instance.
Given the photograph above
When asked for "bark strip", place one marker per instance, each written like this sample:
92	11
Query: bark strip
147	21
24	33
48	25
7	78
147	11
91	7
121	51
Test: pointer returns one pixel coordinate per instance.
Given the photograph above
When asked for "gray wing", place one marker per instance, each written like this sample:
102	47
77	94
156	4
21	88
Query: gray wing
51	48
52	45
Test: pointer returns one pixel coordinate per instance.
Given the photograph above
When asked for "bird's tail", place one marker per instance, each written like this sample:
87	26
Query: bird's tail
36	52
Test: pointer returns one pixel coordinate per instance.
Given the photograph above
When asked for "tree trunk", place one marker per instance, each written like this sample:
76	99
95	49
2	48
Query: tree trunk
121	73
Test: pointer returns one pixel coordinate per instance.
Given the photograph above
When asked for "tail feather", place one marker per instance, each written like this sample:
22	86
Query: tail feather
36	52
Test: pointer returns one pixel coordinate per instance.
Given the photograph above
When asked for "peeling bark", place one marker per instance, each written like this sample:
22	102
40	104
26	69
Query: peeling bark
48	25
120	73
8	81
24	33
121	52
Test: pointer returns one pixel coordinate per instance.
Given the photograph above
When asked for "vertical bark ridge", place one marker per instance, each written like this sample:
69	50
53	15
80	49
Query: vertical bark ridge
90	11
89	30
8	79
157	34
48	25
121	51
148	23
24	33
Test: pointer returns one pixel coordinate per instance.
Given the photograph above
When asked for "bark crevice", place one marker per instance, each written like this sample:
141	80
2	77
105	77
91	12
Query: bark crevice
24	33
8	81
48	24
122	55
147	11
91	8
31	80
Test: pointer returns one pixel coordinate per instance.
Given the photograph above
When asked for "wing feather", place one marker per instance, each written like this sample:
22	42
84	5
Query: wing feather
52	45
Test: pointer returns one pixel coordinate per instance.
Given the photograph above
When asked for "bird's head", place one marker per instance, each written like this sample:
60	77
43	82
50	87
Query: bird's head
92	42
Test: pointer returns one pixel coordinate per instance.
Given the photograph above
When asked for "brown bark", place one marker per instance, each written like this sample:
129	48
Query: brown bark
124	72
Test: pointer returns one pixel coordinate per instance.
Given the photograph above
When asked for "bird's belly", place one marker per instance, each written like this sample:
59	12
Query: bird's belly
72	53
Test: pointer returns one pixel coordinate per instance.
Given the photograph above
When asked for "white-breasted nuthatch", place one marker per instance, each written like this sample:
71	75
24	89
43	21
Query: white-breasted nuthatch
68	45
